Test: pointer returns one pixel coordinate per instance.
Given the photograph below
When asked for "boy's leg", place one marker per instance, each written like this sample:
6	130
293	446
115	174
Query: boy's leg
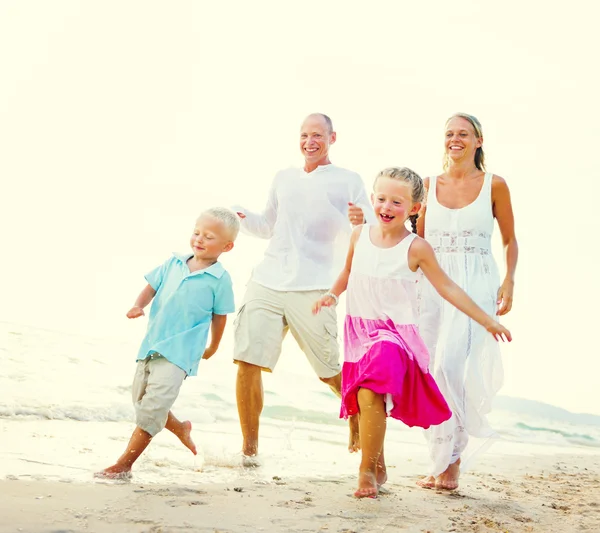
373	421
316	336
259	329
155	388
122	468
182	430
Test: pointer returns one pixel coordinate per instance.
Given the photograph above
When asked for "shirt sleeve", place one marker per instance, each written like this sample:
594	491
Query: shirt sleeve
361	199
155	277
224	301
260	224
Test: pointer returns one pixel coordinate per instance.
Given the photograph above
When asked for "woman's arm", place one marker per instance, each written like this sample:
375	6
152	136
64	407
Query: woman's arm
502	209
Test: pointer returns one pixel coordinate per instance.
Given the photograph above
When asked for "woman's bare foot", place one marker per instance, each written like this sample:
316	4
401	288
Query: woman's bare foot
427	482
185	436
114	472
354	442
367	485
448	480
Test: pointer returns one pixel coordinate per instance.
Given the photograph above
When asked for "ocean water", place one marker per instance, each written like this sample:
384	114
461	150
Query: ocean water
65	412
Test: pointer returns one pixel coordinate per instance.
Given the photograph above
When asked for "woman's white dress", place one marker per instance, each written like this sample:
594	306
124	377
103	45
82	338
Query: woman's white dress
465	358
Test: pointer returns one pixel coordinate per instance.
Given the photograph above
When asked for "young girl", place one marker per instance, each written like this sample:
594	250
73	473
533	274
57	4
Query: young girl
385	370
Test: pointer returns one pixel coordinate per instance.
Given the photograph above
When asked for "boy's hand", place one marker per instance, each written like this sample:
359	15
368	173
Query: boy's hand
209	352
135	312
324	301
499	332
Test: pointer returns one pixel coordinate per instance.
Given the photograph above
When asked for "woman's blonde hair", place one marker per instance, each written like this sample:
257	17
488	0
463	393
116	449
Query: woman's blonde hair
479	155
411	177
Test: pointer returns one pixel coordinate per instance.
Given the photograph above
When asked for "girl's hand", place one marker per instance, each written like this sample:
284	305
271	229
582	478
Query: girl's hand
355	214
505	298
499	332
324	301
135	312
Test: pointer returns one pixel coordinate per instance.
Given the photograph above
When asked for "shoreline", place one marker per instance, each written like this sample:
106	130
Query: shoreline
504	493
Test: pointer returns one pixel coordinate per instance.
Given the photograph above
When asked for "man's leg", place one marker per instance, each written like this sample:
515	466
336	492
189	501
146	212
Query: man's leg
259	329
317	337
335	384
250	399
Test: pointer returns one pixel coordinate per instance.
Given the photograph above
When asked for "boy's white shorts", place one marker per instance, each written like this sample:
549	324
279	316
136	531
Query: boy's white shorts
266	316
155	388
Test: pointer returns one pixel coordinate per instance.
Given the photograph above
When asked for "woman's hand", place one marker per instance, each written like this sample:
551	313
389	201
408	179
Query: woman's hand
505	297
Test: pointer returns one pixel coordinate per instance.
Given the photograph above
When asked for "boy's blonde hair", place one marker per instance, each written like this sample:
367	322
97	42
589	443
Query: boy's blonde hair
229	219
410	177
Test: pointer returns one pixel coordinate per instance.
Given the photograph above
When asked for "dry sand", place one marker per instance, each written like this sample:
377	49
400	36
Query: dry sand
506	493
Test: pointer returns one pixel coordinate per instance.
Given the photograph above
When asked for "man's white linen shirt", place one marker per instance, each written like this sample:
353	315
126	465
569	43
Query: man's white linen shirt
306	218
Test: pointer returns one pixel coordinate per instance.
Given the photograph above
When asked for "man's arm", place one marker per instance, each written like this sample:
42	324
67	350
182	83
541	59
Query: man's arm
260	224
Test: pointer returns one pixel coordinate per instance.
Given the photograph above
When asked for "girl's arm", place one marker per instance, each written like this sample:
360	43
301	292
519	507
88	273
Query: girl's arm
142	301
341	283
421	256
502	208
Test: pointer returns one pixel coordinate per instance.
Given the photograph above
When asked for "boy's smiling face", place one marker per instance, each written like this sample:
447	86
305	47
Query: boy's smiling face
210	239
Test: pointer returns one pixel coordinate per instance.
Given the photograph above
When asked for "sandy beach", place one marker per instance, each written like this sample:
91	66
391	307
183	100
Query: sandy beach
506	493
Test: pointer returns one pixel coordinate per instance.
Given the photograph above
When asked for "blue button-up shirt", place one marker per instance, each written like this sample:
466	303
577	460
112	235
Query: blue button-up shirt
182	310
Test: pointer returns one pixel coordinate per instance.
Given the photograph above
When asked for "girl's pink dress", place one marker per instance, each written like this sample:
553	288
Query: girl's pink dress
383	349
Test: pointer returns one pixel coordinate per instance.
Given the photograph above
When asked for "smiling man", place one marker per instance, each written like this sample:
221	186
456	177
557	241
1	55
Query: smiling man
305	218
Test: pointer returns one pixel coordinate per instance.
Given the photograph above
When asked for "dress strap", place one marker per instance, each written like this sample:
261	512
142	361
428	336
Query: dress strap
431	192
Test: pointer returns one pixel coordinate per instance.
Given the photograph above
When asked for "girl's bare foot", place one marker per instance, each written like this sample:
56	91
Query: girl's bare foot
367	485
114	472
448	480
427	482
354	442
185	436
381	476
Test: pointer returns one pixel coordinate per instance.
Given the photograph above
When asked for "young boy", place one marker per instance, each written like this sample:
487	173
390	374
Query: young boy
191	293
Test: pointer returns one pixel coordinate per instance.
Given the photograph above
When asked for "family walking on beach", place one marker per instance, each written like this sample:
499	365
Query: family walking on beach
420	337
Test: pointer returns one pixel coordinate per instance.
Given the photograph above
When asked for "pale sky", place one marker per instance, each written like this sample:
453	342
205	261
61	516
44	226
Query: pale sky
121	120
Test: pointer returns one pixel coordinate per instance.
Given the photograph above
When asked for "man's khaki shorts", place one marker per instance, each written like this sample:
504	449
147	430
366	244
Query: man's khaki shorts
155	388
266	316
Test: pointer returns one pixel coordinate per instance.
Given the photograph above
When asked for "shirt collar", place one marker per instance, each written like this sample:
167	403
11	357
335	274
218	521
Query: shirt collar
320	168
216	270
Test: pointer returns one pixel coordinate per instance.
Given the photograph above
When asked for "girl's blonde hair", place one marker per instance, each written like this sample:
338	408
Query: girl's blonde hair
479	155
411	177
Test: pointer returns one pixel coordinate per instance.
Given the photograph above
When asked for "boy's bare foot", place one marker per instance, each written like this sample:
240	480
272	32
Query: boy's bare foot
114	472
354	442
448	480
367	485
186	436
427	482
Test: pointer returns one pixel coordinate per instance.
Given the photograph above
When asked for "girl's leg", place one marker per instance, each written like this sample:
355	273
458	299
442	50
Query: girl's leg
372	425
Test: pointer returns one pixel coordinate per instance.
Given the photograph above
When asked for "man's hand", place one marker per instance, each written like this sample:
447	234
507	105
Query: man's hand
355	214
135	312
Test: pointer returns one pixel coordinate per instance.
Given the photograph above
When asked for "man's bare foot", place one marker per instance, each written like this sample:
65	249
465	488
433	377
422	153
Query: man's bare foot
114	472
250	461
354	442
427	482
367	485
448	480
186	437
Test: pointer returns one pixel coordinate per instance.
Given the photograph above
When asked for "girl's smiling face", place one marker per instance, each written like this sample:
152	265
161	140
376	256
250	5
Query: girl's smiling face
392	201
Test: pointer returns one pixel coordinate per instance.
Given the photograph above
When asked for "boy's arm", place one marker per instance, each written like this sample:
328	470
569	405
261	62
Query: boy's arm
142	301
260	224
217	327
